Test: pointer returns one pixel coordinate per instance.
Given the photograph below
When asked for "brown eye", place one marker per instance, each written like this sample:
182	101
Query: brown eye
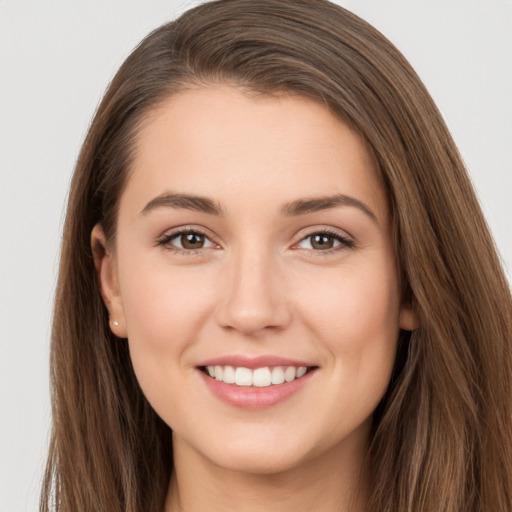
192	240
186	241
321	241
325	241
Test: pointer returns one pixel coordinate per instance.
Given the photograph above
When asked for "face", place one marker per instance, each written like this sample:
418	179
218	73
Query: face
255	278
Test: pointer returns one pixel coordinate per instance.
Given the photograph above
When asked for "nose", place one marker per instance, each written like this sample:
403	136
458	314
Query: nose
254	296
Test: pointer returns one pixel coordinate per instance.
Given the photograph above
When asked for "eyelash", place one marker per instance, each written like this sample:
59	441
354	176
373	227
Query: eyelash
165	241
344	242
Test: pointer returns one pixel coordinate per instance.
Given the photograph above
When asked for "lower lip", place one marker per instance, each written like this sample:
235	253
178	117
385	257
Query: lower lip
251	397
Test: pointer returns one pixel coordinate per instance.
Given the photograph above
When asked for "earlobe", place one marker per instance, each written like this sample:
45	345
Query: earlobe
409	318
106	271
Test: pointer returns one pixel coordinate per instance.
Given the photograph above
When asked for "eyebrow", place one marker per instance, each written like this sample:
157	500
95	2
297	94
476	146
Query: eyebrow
184	201
316	204
292	209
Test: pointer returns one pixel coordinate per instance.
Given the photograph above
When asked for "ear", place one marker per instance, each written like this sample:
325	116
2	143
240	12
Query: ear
105	264
409	319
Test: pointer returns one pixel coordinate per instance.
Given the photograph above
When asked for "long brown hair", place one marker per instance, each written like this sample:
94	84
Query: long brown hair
442	438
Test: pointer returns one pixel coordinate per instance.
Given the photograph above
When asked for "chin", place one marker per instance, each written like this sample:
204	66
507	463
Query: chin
262	451
259	461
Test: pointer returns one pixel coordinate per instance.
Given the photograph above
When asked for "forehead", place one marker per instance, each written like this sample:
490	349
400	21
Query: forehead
222	142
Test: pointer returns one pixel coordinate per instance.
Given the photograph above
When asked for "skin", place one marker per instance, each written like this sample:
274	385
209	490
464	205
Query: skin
257	286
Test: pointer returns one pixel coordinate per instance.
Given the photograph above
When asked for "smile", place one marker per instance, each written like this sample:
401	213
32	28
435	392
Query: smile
255	382
257	377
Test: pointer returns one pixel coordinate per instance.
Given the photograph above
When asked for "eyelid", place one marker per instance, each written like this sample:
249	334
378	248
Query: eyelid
346	240
164	239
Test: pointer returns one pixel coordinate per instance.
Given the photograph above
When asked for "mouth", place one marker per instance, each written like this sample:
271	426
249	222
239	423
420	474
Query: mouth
262	377
255	382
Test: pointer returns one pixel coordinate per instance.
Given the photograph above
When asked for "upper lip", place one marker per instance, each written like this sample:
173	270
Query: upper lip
253	362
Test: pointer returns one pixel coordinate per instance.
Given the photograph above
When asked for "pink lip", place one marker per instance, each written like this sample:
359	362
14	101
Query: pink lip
254	362
253	397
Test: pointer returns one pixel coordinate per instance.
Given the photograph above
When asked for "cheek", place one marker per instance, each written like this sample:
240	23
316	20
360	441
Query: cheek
362	299
357	321
164	309
162	301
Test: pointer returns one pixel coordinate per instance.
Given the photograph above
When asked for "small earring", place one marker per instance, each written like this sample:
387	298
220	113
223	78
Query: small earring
115	323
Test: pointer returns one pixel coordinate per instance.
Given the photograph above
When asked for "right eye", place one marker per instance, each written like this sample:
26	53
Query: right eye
186	241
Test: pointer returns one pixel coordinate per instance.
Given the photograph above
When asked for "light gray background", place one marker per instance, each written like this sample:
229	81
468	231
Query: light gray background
57	57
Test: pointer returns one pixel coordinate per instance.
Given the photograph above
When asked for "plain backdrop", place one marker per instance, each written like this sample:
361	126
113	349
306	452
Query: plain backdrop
57	57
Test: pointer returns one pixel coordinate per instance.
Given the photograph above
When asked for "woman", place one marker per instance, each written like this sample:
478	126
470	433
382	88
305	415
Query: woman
293	299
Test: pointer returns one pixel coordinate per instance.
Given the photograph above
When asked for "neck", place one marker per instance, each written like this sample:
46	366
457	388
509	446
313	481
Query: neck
333	482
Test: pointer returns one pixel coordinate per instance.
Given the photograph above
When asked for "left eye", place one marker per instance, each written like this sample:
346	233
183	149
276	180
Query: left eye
189	240
323	242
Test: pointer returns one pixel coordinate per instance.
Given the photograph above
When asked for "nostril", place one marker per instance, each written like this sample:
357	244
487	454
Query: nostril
251	320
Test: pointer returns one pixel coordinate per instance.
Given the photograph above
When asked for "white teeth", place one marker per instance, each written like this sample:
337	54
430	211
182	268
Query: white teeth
301	371
277	375
259	377
243	377
290	373
229	375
